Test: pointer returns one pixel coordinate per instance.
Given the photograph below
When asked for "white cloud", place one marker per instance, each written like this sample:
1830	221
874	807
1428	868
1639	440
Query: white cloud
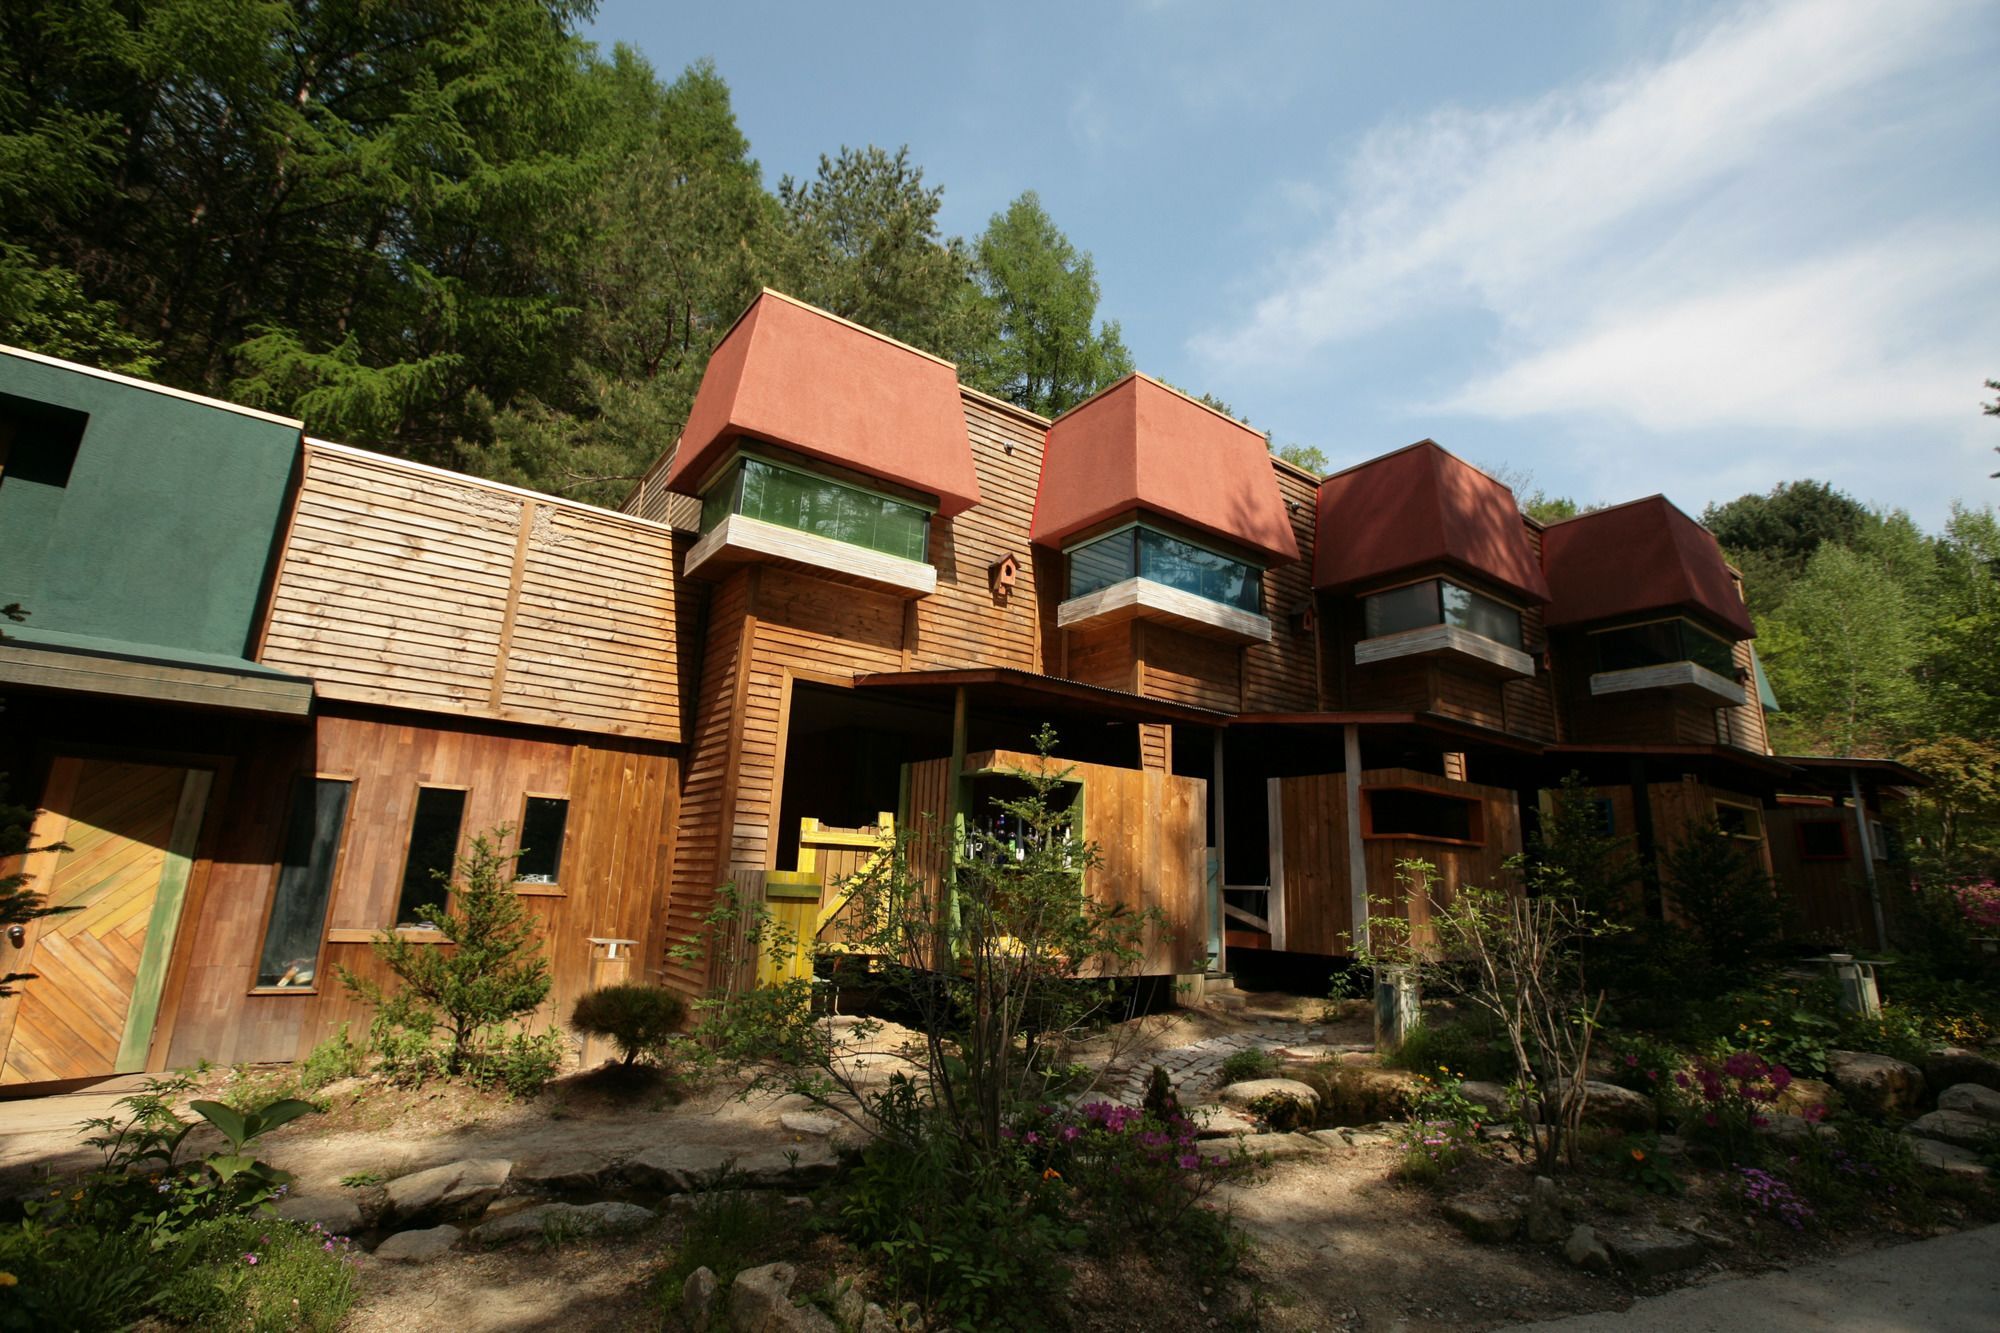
1693	244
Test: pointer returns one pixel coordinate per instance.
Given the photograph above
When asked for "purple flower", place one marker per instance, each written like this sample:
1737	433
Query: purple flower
1631	1062
1189	1162
250	1259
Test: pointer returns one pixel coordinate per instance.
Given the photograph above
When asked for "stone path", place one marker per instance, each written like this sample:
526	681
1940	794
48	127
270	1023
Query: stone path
1193	1067
1947	1285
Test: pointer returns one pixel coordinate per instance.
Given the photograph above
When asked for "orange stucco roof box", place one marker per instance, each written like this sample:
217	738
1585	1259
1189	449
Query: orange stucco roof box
1421	509
1140	445
796	376
1639	557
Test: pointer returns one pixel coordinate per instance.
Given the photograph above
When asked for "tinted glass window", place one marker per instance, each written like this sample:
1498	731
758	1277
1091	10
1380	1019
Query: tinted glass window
433	852
542	823
824	508
1739	821
305	881
1482	615
1205	573
1400	609
1106	561
1705	650
1663	642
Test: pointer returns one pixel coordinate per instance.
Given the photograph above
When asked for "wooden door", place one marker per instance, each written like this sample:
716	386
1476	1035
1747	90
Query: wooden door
128	836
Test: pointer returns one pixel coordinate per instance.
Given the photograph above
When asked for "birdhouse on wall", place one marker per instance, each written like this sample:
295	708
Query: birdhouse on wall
1000	576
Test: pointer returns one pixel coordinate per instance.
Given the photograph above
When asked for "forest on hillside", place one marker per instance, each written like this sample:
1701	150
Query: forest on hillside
456	231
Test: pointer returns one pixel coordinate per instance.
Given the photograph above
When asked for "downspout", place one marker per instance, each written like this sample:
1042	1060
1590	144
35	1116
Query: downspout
1867	857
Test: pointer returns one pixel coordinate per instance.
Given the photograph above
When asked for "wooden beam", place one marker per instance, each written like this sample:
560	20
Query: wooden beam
1274	907
22	664
513	609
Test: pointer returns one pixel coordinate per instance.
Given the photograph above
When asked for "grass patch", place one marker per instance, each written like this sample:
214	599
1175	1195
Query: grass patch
1458	1048
1246	1066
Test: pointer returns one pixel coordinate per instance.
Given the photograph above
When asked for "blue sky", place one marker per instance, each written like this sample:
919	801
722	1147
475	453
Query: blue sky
1668	246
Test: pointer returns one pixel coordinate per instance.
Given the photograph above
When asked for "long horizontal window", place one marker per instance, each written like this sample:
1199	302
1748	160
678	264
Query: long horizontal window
799	500
1660	643
1440	602
1147	553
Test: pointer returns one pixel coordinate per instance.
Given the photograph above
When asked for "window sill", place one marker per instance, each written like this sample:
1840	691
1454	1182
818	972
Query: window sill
529	890
368	935
1445	641
1420	837
738	540
1684	678
1156	601
284	990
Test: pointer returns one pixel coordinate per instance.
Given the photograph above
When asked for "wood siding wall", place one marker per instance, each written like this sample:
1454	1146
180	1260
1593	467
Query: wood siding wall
617	850
1280	676
1827	900
406	586
1317	900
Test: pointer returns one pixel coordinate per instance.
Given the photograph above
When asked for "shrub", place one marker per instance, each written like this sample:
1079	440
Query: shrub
1726	1102
640	1020
492	971
1246	1066
1467	1048
523	1064
1723	894
1443	1133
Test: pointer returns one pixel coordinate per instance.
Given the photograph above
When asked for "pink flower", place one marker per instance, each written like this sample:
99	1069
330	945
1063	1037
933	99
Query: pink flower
1032	1137
1631	1062
250	1259
1189	1162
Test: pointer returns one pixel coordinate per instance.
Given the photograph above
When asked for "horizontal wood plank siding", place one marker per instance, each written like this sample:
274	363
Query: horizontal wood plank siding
1278	677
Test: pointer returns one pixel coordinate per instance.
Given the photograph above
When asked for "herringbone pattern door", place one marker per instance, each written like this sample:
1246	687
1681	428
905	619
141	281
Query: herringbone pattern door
130	831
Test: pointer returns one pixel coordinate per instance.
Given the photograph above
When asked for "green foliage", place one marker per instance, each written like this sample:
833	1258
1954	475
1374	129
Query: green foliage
727	1229
493	970
1842	654
1778	1018
522	1063
641	1020
1443	1132
1244	1066
1636	1159
1308	456
1040	292
333	1059
75	1277
1777	534
1466	1048
1721	891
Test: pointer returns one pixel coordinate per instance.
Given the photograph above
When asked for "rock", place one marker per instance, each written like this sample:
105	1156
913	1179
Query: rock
1876	1084
1309	1054
1803	1094
1275	1147
1486	1220
1546	1223
1647	1254
874	1319
815	1123
336	1213
459	1189
1971	1098
760	1301
1283	1103
1672	1146
1956	1064
1619	1108
848	1305
680	1167
1948	1158
418	1247
1489	1097
1217	1122
698	1298
572	1219
563	1172
1960	1127
1586	1251
1790	1128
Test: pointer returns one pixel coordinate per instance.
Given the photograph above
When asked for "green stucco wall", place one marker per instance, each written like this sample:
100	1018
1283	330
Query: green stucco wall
164	527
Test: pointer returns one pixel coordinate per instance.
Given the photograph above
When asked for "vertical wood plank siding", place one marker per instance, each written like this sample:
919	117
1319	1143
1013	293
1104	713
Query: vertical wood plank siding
401	585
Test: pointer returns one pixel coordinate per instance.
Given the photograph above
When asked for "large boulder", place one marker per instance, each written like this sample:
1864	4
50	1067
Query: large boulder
1489	1221
1960	1127
1956	1064
1546	1223
760	1301
564	1172
1586	1251
1618	1108
1488	1097
418	1247
1971	1098
1649	1254
677	1168
698	1298
1948	1158
1804	1095
458	1189
1282	1103
563	1219
1876	1084
337	1213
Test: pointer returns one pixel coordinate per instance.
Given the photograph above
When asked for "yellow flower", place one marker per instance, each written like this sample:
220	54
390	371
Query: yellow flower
9	1280
1766	1022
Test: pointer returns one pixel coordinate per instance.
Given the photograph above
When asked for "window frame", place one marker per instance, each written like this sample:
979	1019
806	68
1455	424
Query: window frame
1135	527
409	836
726	481
1475	823
1756	812
326	929
1437	584
535	888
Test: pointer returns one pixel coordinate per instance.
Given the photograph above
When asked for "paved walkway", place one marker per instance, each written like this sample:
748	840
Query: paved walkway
1947	1285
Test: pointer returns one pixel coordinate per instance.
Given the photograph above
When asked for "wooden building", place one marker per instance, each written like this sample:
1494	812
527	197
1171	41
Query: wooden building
852	588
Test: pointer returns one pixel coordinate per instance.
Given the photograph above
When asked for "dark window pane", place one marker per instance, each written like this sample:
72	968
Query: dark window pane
1198	570
305	881
1739	821
1399	609
1705	650
542	823
1101	563
1399	812
1482	615
829	509
1639	646
433	851
1823	839
1607	817
719	500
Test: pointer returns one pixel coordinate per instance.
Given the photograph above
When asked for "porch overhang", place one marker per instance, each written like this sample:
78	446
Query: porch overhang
1029	691
82	664
1448	733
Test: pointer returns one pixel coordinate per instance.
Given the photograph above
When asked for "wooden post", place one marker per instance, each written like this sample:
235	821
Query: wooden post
1274	901
1357	859
1218	931
1867	845
610	965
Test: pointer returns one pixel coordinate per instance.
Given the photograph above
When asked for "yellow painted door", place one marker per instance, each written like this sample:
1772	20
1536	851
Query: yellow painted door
127	833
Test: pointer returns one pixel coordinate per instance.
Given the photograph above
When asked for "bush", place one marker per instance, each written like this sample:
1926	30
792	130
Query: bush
522	1064
1466	1048
640	1020
1246	1066
1723	894
492	972
1443	1133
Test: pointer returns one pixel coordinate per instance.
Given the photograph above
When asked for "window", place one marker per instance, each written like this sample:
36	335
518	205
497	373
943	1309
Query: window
1404	812
1607	817
38	442
1440	602
433	852
1660	643
305	882
1823	839
543	819
1740	821
803	502
1142	552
